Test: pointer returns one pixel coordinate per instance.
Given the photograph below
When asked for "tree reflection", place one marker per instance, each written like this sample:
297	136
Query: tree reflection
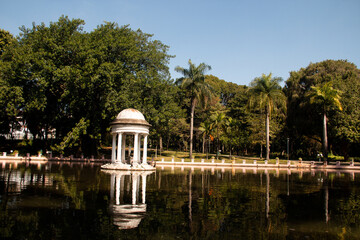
53	200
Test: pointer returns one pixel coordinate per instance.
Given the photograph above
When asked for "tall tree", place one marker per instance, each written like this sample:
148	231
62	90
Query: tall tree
194	82
304	123
327	97
10	96
266	93
76	82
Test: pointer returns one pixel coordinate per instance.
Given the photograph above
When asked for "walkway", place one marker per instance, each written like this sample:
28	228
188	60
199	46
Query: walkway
256	164
204	163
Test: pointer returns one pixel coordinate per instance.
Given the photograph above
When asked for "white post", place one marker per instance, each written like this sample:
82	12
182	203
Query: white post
123	148
145	150
139	152
112	186
134	188
119	155
113	153
136	148
143	176
117	194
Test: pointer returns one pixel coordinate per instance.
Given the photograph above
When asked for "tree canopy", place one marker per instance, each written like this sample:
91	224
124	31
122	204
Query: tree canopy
66	76
304	119
65	86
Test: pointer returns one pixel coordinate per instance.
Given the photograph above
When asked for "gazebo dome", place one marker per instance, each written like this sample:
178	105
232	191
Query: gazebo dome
130	116
130	113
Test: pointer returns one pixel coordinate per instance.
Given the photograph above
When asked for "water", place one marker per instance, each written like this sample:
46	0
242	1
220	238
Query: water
79	201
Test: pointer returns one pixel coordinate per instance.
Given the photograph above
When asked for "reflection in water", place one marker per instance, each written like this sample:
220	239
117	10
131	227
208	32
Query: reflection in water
51	200
127	215
286	202
17	180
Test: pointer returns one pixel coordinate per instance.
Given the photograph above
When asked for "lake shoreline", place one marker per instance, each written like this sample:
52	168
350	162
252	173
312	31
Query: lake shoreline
233	164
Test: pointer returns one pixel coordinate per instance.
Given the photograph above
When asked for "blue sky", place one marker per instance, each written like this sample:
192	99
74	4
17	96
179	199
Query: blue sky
239	39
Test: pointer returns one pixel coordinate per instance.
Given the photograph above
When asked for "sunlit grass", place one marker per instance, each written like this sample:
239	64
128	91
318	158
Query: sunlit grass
167	156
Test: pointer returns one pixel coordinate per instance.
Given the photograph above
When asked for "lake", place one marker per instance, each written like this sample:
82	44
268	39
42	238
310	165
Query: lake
81	201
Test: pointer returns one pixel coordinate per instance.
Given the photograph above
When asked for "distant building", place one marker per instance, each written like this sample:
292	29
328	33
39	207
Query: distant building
20	132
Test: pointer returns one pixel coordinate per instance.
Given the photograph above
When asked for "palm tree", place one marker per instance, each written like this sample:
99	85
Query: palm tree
194	82
327	97
265	92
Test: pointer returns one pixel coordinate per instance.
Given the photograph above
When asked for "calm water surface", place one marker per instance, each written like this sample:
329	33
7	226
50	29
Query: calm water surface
79	201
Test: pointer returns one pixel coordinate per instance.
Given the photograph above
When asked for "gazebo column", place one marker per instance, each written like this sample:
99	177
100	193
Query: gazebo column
117	192
134	188
112	187
113	152
123	149
139	153
143	176
119	148
136	148
144	160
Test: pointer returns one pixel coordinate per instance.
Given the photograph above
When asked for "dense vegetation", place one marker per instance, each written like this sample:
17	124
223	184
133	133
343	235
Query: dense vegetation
62	80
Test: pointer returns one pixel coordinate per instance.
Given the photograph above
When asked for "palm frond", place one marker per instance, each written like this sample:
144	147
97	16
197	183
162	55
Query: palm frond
265	93
325	95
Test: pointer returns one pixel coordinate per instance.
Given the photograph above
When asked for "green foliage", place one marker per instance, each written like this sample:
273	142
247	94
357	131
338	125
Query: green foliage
59	78
72	138
266	94
194	83
224	90
10	102
5	40
305	119
65	75
10	96
326	96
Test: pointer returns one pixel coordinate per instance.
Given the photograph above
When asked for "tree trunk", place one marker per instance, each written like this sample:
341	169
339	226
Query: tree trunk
325	139
267	135
168	139
161	144
230	151
190	200
192	127
267	207
217	140
203	144
208	150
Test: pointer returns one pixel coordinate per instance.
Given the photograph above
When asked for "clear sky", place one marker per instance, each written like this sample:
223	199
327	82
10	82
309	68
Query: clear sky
239	39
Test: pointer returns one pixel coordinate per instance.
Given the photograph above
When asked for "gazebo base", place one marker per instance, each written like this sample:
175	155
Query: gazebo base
128	167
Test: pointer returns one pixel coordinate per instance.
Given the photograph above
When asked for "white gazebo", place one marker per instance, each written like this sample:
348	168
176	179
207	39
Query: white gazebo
131	124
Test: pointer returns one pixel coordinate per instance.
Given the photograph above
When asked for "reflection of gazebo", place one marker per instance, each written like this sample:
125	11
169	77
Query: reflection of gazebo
129	123
127	215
